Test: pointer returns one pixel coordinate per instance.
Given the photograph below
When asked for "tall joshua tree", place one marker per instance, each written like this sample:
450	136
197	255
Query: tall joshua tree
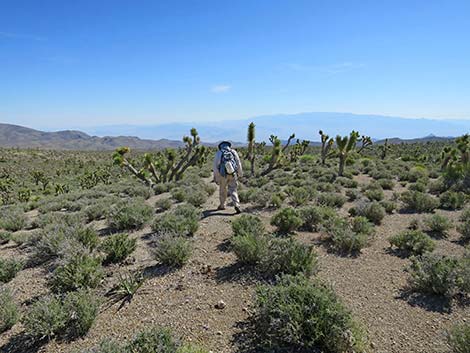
345	146
276	154
251	147
326	144
167	165
366	141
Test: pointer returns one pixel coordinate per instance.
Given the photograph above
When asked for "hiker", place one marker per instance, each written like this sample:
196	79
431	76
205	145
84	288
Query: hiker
227	168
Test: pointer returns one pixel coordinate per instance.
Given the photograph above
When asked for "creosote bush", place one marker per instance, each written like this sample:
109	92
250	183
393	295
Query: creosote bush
438	225
12	218
412	242
129	214
9	268
331	200
172	250
373	211
247	224
118	247
297	314
286	220
439	275
452	200
9	313
79	271
459	338
419	202
183	220
349	238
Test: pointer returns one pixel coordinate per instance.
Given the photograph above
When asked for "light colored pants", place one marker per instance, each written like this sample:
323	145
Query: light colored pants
230	182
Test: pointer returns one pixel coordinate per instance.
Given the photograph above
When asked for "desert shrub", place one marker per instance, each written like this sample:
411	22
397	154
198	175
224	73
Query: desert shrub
373	211
12	218
9	268
362	225
375	194
418	186
286	220
161	188
299	196
386	184
80	271
46	318
331	200
250	248
133	190
260	198
389	206
353	194
154	340
465	215
4	237
118	247
196	197
419	202
413	242
87	236
459	338
129	214
275	201
178	194
172	250
346	182
415	174
438	225
312	217
414	224
288	256
9	313
82	308
59	218
464	230
98	210
440	275
297	314
163	204
183	220
344	239
452	200
247	224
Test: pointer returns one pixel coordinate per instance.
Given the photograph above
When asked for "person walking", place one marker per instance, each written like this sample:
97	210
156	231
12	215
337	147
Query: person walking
227	170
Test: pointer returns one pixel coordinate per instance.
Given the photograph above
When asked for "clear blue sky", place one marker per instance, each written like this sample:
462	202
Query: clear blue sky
84	63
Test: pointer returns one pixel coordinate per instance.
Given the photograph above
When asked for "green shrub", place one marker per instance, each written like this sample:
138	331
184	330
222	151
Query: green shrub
386	184
250	248
154	340
129	214
451	200
163	204
172	250
196	197
459	338
183	220
413	242
286	220
12	218
419	202
46	318
312	217
247	224
82	308
346	182
418	186
299	315
440	275
353	194
344	239
288	256
9	313
464	230
362	225
375	194
438	225
78	272
5	237
373	211
299	196
86	236
8	269
118	247
389	206
331	200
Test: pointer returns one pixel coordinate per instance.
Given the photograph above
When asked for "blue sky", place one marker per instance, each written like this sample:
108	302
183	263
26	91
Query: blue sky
85	63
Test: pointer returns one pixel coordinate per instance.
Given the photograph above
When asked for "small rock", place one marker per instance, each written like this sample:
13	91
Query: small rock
219	333
220	305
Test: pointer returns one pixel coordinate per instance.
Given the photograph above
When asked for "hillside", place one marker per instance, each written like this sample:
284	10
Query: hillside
19	136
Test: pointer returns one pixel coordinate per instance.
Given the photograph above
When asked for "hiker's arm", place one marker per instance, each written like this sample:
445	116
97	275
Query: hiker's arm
215	168
239	164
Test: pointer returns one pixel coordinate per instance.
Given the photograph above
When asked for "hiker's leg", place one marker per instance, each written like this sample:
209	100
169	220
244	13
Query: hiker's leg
232	189
222	191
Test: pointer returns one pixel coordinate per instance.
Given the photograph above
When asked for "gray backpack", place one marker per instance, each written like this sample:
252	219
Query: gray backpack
228	164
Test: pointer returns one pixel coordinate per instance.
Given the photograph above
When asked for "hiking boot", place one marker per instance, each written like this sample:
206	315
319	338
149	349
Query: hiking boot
238	210
221	208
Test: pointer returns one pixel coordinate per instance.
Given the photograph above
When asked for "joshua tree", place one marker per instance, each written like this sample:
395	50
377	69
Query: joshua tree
276	155
384	149
251	147
298	149
345	145
288	143
366	141
168	165
456	163
326	144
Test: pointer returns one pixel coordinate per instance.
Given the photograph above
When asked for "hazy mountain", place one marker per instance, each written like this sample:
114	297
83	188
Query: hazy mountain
19	136
305	126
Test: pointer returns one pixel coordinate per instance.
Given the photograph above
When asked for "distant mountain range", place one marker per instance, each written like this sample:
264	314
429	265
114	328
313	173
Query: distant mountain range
304	125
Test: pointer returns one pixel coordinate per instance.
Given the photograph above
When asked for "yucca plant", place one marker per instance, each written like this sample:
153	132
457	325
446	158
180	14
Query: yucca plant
345	145
326	145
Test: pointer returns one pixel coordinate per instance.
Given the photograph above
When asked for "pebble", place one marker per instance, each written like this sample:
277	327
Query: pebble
220	305
219	333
